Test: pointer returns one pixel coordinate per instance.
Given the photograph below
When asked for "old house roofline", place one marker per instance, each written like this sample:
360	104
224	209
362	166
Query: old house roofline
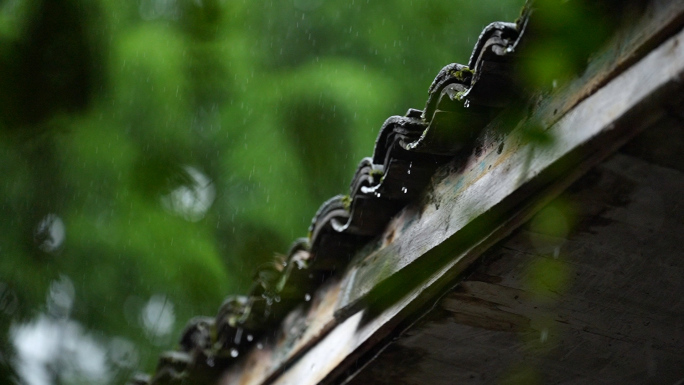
419	215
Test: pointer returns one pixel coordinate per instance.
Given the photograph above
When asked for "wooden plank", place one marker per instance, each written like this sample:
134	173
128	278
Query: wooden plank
298	332
441	218
619	319
458	198
669	142
657	21
494	176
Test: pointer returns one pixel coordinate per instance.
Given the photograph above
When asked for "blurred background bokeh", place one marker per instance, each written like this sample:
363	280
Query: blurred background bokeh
153	152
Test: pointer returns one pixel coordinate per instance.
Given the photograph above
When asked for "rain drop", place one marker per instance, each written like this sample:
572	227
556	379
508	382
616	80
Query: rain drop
249	338
233	352
466	104
307	297
260	346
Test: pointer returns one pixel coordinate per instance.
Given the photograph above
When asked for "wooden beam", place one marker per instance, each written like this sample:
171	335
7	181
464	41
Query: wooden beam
495	179
609	311
429	244
646	26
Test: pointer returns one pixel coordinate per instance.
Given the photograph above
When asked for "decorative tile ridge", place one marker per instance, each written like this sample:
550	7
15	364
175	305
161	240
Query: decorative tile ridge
408	150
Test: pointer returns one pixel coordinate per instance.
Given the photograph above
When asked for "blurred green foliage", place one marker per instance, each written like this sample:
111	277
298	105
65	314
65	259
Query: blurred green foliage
562	36
164	148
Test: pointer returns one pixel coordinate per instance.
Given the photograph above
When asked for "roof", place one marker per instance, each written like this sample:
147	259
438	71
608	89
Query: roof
589	301
451	133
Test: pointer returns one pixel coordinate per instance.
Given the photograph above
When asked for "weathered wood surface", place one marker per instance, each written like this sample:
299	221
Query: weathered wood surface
656	21
313	346
617	316
299	331
511	162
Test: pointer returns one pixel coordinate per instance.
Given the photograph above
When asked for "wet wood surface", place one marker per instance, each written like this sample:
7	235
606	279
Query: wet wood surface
431	243
607	307
655	21
593	129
